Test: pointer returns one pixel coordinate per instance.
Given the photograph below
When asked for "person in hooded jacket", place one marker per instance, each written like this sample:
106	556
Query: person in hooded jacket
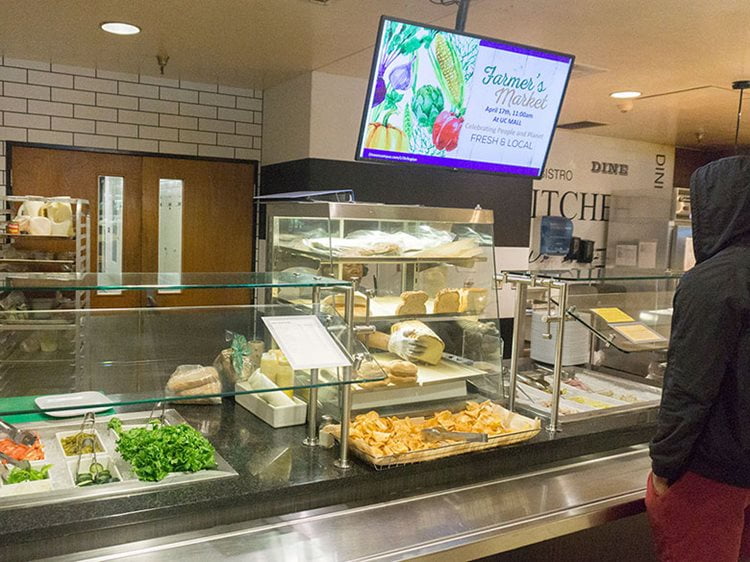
698	494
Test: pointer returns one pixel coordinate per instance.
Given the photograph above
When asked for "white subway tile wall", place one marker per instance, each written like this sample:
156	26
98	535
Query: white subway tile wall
74	106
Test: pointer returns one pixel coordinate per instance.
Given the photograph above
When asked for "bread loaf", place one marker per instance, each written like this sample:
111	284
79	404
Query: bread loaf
412	302
402	373
373	384
337	302
473	300
376	340
191	376
430	349
213	387
403	369
195	380
447	300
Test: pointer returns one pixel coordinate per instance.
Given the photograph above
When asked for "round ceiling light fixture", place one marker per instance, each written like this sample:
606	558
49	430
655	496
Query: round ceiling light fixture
120	28
625	95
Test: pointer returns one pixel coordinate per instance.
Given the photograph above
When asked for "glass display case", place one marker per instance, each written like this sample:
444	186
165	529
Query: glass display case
140	362
424	279
588	344
425	307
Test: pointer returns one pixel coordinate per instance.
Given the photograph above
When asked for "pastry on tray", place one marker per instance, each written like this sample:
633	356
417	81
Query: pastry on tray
371	369
403	373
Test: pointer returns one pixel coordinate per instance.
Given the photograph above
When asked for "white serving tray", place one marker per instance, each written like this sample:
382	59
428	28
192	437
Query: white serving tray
73	399
275	416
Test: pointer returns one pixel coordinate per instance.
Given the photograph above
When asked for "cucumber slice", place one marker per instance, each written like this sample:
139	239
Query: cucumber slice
103	477
96	467
84	478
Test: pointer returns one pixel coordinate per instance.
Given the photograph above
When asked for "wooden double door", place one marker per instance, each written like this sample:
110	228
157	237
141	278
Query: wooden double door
216	214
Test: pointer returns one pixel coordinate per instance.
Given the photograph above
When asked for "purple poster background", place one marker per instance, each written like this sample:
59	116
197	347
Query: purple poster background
524	51
410	158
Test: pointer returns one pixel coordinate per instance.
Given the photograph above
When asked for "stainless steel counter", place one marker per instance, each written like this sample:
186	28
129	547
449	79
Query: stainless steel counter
461	523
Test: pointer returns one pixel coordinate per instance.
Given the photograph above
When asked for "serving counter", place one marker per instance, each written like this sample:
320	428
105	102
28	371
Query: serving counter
281	482
455	524
261	469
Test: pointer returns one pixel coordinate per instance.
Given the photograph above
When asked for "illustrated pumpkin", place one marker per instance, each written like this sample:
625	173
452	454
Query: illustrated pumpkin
386	137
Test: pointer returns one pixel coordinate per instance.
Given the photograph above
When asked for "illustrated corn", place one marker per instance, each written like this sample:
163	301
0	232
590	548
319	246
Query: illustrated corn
448	69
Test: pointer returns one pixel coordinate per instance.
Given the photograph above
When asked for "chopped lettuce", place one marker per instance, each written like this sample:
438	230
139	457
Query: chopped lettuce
155	451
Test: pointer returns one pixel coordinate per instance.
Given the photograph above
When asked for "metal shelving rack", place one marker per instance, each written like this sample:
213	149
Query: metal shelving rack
79	263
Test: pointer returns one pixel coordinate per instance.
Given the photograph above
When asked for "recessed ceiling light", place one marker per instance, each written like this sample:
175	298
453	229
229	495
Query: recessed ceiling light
627	95
120	28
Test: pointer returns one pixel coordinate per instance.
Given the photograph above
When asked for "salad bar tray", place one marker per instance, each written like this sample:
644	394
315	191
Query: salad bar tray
584	394
59	476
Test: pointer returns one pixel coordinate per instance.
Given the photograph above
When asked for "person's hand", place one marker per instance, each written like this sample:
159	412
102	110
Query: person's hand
661	485
406	348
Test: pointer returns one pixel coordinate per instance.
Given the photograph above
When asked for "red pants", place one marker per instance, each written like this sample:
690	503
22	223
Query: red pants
698	519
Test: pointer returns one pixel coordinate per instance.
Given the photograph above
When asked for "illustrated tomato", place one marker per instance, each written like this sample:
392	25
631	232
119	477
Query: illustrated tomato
445	130
386	137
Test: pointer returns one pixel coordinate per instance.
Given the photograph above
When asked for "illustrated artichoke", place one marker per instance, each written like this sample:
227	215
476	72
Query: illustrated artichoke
427	104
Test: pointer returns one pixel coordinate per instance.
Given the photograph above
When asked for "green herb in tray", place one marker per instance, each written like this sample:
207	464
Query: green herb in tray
80	444
155	451
18	475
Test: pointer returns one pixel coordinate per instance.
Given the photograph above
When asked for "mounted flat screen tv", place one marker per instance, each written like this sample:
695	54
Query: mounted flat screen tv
460	101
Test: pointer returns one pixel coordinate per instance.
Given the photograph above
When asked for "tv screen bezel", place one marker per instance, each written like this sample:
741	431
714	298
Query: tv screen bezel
371	85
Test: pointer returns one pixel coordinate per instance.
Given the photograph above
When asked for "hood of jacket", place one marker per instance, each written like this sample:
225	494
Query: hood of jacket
720	201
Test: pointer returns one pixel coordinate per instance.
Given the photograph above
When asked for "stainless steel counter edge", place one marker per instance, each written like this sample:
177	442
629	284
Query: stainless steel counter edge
461	523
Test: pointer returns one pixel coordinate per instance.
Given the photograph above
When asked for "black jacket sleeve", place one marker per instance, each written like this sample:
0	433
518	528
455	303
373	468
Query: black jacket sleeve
705	330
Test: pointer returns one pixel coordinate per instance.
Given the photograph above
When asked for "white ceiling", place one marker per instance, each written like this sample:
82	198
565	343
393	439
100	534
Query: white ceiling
682	54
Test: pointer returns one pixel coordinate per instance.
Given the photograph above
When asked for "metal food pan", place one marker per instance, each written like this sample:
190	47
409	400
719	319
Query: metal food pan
61	487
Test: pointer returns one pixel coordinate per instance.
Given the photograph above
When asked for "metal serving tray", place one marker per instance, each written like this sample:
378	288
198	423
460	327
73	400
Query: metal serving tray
643	396
60	486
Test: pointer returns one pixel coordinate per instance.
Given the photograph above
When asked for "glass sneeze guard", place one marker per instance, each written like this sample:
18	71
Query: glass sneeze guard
127	356
596	275
607	331
152	281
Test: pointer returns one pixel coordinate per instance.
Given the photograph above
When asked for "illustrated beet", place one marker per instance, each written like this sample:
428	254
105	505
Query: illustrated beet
379	91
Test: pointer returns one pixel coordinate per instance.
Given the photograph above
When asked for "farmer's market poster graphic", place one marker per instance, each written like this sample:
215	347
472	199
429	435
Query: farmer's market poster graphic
463	102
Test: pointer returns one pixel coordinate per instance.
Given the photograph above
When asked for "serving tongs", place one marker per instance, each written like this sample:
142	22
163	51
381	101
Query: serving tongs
436	434
25	465
82	440
20	436
162	417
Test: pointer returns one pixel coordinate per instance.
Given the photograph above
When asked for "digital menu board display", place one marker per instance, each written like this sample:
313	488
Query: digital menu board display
441	98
